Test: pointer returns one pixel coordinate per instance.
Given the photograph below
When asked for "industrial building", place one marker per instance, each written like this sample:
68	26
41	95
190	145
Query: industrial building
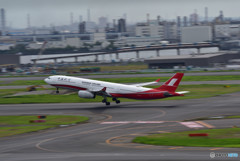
226	31
198	60
195	34
3	21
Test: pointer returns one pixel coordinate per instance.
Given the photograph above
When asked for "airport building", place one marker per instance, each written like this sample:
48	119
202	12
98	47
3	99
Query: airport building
198	60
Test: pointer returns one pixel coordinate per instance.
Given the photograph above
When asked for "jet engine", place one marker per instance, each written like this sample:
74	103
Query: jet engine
167	94
86	94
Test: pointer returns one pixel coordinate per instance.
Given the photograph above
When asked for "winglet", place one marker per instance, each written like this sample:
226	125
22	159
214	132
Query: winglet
157	80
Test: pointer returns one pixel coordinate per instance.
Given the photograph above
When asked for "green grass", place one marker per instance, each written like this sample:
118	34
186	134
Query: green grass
134	80
231	117
50	120
9	131
12	125
5	92
205	90
217	138
196	91
24	82
163	79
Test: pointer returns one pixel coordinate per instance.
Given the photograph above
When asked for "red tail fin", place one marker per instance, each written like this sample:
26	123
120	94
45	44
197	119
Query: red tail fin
172	84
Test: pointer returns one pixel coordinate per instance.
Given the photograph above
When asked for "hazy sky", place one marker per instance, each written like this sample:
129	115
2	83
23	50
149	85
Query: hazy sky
57	12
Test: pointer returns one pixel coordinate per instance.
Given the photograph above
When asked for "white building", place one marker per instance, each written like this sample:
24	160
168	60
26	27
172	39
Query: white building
227	30
4	46
74	42
56	44
170	30
194	34
6	43
42	31
151	29
99	36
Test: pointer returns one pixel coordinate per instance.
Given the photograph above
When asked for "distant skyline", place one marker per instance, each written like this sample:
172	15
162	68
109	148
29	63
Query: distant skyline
57	12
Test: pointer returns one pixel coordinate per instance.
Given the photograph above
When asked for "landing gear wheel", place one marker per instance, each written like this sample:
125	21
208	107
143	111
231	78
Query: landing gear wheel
104	101
107	103
117	101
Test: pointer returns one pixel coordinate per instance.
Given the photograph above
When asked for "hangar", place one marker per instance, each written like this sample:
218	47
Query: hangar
196	60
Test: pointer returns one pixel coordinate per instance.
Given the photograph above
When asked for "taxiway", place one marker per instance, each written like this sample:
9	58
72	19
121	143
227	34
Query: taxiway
108	134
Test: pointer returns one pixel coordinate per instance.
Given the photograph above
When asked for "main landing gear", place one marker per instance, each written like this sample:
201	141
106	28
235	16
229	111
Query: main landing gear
57	91
116	100
108	103
105	101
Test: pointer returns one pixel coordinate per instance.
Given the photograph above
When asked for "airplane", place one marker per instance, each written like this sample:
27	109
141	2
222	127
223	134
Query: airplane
88	88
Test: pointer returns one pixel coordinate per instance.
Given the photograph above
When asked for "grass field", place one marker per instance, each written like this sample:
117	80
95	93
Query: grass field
217	138
12	125
135	80
196	91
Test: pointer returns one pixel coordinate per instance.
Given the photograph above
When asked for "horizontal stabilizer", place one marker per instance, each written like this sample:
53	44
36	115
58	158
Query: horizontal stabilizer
146	84
182	92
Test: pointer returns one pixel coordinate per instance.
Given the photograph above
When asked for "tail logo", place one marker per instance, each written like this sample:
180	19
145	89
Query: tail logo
171	83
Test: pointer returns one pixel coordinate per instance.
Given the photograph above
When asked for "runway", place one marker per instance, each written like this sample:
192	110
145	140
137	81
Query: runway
108	134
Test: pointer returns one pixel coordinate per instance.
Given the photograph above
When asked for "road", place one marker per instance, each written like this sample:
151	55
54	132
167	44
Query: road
108	134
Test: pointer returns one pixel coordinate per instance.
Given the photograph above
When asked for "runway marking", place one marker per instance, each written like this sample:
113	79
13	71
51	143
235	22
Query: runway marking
205	124
173	148
133	122
216	148
108	117
38	145
191	124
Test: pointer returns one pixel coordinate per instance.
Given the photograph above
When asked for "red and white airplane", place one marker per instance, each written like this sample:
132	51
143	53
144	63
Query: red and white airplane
88	88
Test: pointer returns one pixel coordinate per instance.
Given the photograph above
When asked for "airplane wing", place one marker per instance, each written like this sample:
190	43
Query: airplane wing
101	92
145	84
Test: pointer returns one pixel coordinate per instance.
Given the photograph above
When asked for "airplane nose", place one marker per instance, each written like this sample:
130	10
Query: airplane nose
46	80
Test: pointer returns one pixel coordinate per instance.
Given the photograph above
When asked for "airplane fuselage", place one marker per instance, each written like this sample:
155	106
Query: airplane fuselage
113	89
88	88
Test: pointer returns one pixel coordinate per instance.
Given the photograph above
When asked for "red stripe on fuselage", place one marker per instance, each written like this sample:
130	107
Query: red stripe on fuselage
146	95
68	86
140	95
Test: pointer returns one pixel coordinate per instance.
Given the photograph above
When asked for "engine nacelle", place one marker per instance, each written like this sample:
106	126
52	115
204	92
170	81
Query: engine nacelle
86	94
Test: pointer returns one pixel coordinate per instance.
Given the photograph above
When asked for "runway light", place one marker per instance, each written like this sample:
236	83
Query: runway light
37	121
42	117
197	134
227	86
